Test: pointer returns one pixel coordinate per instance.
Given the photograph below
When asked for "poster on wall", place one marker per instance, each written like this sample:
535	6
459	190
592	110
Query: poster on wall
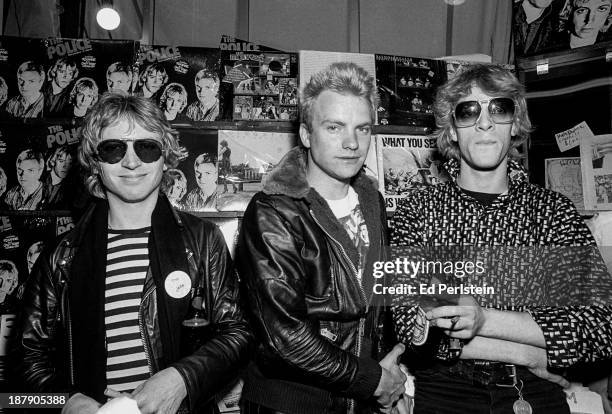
22	78
564	176
79	70
183	81
245	159
38	167
257	83
194	180
406	163
557	25
596	162
406	87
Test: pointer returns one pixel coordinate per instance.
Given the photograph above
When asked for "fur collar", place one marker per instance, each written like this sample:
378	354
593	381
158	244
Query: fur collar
289	177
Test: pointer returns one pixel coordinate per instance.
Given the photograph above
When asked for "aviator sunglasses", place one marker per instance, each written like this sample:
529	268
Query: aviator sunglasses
112	151
501	111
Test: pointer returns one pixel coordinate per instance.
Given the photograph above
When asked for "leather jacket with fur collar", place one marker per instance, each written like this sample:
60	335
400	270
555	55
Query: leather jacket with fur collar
318	325
63	339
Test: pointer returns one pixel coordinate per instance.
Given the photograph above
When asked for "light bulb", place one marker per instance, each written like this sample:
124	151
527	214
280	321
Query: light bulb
108	18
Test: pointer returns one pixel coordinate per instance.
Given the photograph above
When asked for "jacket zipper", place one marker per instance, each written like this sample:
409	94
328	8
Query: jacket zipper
141	329
348	260
360	331
65	311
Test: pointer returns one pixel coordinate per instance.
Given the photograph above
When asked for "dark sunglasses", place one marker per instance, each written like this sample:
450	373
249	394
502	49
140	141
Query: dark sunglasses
112	151
501	111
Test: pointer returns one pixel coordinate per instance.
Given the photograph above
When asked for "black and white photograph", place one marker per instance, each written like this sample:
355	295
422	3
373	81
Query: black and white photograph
183	81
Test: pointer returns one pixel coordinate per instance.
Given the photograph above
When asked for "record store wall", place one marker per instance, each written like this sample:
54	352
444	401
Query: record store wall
427	28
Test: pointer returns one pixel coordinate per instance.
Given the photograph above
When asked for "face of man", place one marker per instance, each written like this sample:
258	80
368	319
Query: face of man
84	98
174	101
540	4
339	140
8	282
63	162
590	16
178	189
206	177
29	83
63	76
485	145
154	81
206	90
131	180
28	173
32	254
118	82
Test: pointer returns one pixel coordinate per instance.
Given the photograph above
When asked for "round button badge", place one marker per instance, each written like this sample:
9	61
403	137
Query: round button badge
177	284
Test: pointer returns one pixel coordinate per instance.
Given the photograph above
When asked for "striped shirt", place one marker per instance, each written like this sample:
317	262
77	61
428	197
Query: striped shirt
127	261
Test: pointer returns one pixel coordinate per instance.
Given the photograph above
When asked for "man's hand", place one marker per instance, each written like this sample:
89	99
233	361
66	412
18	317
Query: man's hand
162	393
462	321
391	385
538	366
80	404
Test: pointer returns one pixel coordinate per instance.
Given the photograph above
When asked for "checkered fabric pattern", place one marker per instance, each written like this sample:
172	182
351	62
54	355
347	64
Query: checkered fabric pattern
527	217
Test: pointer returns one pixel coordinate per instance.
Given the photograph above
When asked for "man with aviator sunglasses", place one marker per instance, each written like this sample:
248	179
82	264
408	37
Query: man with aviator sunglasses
103	310
501	349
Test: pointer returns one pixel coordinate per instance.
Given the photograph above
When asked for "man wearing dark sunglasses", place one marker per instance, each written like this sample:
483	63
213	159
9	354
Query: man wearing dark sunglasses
501	349
104	309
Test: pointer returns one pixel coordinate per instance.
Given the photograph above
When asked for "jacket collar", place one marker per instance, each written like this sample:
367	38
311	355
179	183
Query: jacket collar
289	177
517	175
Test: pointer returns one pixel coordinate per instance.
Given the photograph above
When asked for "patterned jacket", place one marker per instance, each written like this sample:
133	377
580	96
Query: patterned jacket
551	266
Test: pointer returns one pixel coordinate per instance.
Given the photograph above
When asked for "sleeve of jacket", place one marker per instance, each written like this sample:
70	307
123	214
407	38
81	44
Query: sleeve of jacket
275	276
41	343
219	360
577	329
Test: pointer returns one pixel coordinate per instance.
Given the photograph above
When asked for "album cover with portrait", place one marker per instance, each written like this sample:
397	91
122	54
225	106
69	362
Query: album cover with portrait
22	239
38	168
555	25
193	183
406	86
79	70
267	76
22	77
183	81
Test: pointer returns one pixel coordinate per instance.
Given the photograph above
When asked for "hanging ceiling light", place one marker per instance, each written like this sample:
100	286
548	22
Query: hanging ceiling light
454	2
107	16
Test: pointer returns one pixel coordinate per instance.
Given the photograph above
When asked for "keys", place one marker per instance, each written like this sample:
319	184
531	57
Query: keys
521	406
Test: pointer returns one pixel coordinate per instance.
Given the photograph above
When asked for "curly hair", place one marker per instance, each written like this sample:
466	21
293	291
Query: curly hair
110	109
495	81
81	84
340	77
173	88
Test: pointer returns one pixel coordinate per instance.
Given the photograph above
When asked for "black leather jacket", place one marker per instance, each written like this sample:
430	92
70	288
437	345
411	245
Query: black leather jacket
58	354
319	326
